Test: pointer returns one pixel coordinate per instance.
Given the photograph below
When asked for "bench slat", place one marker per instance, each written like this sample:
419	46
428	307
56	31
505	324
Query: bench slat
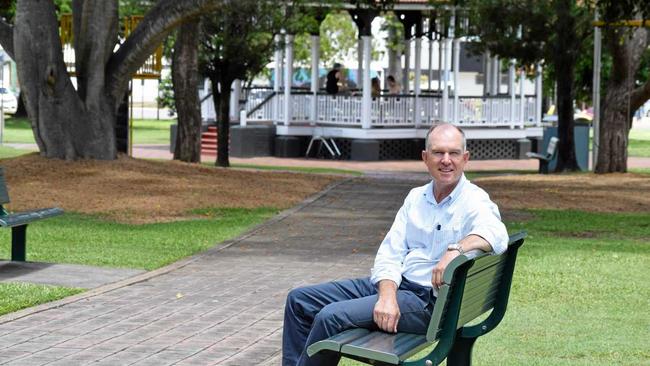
480	293
22	218
384	347
471	311
479	279
334	343
483	263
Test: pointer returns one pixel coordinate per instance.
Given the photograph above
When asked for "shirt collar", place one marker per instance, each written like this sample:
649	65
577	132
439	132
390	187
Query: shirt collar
428	192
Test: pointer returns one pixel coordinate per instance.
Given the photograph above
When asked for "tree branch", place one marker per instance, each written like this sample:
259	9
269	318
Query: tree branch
7	37
150	32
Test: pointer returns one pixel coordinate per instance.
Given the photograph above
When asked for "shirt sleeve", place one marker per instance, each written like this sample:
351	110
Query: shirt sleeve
393	249
484	220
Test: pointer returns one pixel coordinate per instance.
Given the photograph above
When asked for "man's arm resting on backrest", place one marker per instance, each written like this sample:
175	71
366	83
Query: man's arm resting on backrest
469	243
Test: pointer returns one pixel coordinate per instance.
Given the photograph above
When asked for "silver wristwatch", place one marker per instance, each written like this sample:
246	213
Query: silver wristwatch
456	246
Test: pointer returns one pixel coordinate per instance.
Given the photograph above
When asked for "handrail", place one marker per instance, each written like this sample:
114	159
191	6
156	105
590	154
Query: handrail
261	104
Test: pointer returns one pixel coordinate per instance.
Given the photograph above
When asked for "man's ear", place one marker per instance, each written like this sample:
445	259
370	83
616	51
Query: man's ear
424	156
466	156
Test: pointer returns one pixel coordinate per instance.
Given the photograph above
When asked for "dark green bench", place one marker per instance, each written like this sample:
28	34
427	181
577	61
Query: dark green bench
473	285
18	221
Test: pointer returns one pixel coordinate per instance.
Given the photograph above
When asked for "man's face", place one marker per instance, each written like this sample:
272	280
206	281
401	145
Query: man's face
445	158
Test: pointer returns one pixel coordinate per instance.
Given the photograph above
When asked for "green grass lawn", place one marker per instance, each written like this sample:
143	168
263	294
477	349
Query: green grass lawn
151	131
299	169
580	293
83	239
145	131
16	296
18	130
10	152
639	144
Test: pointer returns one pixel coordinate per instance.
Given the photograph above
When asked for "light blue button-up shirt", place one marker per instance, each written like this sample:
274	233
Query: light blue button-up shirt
423	228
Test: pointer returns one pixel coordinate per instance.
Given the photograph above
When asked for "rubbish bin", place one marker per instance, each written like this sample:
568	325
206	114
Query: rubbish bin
581	139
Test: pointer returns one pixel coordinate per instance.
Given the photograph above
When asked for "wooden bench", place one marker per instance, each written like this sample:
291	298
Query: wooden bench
474	284
18	221
545	159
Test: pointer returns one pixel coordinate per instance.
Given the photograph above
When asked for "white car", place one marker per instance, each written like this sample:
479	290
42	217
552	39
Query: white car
8	101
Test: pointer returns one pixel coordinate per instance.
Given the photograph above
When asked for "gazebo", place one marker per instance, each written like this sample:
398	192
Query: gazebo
284	121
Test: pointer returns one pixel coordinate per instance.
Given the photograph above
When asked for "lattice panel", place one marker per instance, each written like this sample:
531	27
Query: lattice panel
492	149
409	149
397	149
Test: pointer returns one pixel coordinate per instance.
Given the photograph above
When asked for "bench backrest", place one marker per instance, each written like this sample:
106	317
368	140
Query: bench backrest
472	287
552	147
4	194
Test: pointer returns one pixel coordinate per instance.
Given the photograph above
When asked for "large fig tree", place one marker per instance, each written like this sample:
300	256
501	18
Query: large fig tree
78	122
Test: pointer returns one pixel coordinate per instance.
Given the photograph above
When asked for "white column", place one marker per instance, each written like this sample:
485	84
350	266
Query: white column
441	47
366	101
496	72
315	58
538	95
596	93
446	43
418	74
430	75
511	91
277	81
456	55
407	66
235	95
522	103
360	62
456	116
288	78
487	77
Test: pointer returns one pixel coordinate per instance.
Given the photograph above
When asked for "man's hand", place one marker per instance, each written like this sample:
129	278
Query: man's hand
439	269
386	313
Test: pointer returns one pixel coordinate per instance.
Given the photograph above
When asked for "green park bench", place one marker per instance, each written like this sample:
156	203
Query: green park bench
18	221
545	159
474	284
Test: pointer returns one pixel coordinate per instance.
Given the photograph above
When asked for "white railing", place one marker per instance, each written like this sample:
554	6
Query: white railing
393	110
255	96
399	110
207	106
338	110
431	109
301	107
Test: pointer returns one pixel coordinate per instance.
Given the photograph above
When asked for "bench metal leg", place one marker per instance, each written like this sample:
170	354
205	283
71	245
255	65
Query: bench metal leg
461	352
18	243
543	166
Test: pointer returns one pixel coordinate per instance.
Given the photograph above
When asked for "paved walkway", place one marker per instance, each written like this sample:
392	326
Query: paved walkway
222	307
68	275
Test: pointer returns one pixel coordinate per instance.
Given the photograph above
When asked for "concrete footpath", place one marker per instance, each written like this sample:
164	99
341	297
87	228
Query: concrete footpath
222	307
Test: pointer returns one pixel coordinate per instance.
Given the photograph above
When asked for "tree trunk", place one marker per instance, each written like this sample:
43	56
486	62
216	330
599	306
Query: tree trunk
621	99
394	56
72	123
186	79
64	125
223	121
566	56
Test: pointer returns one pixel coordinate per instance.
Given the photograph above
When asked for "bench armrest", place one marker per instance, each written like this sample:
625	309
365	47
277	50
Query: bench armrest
23	218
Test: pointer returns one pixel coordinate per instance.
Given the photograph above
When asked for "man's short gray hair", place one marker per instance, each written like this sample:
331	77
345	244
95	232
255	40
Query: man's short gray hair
427	144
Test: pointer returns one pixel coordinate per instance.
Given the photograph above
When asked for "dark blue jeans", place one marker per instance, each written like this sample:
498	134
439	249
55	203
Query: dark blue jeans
314	313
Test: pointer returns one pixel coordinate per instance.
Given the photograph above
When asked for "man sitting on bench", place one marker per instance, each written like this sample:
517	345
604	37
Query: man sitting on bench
437	222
